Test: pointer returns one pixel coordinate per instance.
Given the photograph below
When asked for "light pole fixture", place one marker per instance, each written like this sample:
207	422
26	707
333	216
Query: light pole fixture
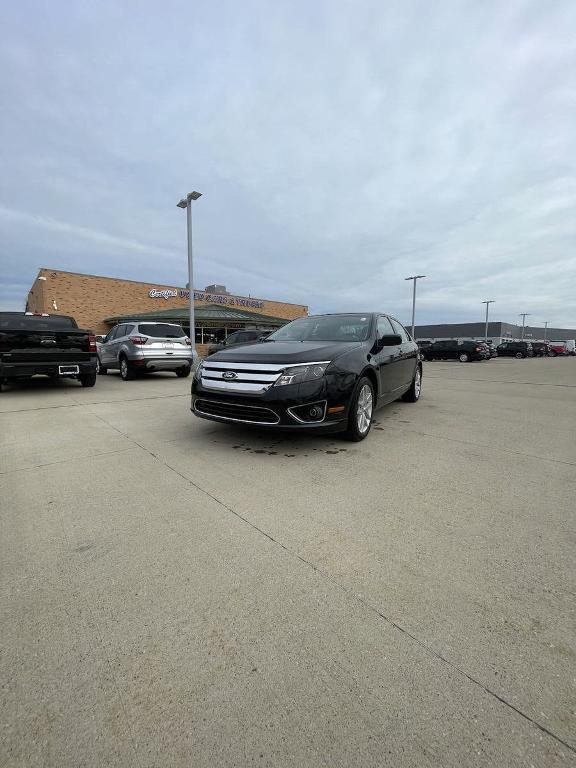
487	302
546	329
523	315
186	203
414	278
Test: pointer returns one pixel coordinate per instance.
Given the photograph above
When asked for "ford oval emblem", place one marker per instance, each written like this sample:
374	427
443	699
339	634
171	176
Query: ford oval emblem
229	375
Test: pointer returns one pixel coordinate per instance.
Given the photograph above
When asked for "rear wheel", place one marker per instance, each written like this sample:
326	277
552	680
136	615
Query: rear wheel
87	379
519	355
552	353
126	371
464	357
413	394
183	372
361	410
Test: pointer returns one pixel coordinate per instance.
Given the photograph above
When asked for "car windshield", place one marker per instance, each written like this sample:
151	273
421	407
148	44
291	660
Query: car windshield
161	330
325	328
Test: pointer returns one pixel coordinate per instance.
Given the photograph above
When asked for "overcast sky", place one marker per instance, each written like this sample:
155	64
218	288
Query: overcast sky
340	146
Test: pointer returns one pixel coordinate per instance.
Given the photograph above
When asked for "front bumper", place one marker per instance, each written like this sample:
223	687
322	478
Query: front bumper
278	408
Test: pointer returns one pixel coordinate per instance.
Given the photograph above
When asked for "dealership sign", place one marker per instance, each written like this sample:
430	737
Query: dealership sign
212	298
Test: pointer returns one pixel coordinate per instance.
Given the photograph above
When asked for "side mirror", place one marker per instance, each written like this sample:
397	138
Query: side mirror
100	339
388	341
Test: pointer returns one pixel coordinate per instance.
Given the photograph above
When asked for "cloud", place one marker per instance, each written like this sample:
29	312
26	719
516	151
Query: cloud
340	146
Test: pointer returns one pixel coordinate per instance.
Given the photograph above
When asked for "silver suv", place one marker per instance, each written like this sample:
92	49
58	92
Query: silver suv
145	346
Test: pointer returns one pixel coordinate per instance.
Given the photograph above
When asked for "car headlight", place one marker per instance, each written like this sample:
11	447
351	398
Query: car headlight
198	371
297	374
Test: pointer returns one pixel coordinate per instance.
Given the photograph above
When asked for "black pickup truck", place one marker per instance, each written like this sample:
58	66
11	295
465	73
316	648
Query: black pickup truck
51	345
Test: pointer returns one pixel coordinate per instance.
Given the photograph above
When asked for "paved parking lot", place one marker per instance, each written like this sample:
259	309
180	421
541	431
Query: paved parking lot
181	593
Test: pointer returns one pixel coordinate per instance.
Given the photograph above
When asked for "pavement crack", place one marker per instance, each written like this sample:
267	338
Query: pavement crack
65	461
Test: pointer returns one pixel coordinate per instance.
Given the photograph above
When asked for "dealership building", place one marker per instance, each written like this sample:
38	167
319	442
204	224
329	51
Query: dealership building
497	332
97	303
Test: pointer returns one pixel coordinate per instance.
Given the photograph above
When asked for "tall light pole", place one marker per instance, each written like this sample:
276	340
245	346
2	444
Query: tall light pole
414	278
523	315
546	329
488	302
186	203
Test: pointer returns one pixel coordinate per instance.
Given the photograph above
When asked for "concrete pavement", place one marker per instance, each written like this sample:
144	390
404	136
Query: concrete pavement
176	592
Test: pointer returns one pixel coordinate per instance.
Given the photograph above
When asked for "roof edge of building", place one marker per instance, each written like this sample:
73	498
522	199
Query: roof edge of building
161	285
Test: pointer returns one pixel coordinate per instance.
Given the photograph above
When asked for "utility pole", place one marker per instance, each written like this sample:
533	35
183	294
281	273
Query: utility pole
488	302
414	278
186	203
523	315
546	329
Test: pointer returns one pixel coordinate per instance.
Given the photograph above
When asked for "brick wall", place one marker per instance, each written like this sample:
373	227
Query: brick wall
90	299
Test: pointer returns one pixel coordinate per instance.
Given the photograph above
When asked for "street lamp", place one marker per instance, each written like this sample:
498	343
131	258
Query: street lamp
546	329
414	278
187	204
488	302
523	315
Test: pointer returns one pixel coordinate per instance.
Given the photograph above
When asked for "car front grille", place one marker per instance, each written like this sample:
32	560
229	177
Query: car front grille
239	378
247	414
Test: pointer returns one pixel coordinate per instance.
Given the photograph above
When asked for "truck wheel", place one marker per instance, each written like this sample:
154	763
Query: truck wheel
126	371
183	372
100	368
413	394
361	411
87	379
464	357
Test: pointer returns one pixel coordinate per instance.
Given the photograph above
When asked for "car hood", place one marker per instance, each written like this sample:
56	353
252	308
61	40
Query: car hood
289	352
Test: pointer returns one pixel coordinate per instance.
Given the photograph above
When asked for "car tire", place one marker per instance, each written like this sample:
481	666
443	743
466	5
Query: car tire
464	357
519	355
362	400
100	370
126	371
87	379
552	353
183	372
413	394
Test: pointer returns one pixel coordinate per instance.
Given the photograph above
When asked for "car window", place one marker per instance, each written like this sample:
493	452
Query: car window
384	327
120	332
233	338
113	333
161	330
400	330
128	329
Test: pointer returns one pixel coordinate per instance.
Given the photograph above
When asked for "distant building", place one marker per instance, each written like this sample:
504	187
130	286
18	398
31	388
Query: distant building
497	332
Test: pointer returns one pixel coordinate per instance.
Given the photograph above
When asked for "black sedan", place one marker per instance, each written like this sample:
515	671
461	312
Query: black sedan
323	373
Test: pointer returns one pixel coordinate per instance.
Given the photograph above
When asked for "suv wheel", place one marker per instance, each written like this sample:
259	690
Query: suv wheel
126	371
413	394
361	411
183	372
464	357
519	355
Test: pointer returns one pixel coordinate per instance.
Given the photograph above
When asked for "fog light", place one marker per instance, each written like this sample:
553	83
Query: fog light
315	412
307	414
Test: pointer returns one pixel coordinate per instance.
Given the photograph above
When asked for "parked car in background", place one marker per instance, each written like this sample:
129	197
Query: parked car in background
422	346
518	349
492	349
144	347
452	349
247	336
34	344
485	349
540	349
324	373
562	348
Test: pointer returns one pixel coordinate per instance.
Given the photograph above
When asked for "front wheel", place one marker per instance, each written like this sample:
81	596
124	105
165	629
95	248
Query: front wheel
413	394
361	410
519	355
183	372
551	353
464	357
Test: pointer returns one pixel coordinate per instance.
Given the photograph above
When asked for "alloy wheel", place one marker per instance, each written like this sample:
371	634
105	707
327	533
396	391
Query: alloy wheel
364	409
417	383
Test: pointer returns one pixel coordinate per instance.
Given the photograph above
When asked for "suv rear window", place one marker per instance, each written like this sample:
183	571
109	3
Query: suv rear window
161	330
19	322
